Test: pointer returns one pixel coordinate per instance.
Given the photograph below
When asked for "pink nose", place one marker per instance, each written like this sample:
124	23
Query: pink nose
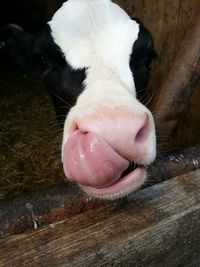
128	134
99	150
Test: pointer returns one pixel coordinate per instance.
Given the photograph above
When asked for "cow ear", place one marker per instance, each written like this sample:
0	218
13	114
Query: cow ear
19	44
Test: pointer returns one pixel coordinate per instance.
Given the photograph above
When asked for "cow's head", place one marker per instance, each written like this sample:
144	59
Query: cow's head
94	60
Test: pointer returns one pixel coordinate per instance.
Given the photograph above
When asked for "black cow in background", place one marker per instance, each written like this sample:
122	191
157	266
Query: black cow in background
19	15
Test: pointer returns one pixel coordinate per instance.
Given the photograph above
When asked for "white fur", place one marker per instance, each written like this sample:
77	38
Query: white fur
107	92
94	33
98	35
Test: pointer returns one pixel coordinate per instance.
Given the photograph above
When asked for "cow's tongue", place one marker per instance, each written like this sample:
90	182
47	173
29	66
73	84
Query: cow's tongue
91	161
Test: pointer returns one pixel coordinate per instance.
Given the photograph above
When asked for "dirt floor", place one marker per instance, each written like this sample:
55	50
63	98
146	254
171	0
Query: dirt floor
30	138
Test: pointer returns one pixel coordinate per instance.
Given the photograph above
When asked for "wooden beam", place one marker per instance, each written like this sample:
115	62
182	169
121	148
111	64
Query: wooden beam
174	164
158	226
173	96
49	205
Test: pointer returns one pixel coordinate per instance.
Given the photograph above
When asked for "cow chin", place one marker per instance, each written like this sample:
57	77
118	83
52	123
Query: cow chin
124	186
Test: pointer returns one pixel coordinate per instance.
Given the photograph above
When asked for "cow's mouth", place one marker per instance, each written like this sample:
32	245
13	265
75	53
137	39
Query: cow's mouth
98	168
131	179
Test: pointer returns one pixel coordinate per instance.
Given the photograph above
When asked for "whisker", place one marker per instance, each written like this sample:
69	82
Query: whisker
69	105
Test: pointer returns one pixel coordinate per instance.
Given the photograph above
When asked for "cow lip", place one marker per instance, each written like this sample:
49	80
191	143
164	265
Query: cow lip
126	184
131	168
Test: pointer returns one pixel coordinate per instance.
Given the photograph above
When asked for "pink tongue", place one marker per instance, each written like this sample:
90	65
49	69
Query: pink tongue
91	161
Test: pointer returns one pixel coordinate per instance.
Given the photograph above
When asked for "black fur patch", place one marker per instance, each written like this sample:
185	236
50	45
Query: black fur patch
63	82
142	55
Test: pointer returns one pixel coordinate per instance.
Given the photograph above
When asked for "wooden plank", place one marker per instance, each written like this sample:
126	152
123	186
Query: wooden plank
159	226
55	203
172	99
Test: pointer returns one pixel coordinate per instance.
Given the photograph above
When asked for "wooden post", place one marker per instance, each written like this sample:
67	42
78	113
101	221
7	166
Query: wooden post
173	96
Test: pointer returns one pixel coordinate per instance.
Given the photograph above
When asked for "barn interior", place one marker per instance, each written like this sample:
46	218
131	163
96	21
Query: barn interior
30	136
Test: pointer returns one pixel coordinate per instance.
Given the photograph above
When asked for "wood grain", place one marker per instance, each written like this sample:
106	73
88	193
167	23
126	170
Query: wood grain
172	98
52	204
159	226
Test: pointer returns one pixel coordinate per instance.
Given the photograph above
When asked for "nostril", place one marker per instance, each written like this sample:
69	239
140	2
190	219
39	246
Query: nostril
142	133
74	127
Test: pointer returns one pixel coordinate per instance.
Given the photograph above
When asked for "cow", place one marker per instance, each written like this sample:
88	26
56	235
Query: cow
95	58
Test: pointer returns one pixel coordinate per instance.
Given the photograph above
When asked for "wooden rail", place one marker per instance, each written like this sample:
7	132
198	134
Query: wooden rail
49	205
159	226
